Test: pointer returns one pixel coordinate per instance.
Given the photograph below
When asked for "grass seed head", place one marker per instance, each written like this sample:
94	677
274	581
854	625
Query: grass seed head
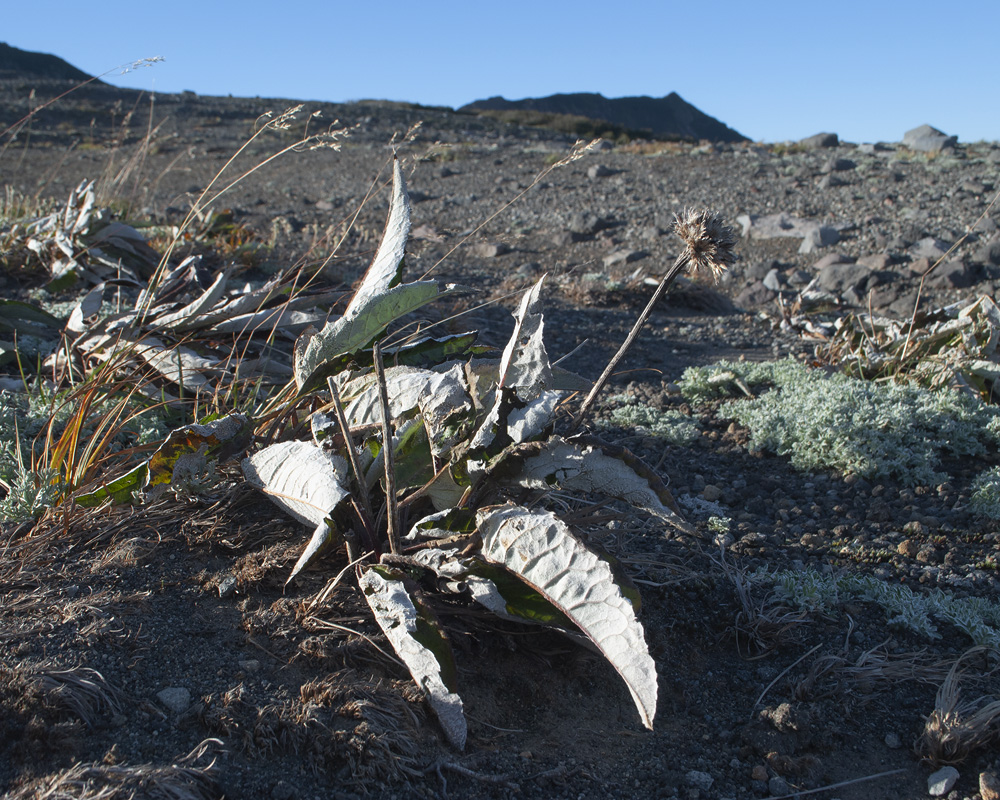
709	241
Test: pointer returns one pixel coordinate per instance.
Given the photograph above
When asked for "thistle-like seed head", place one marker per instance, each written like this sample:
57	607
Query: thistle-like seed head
709	241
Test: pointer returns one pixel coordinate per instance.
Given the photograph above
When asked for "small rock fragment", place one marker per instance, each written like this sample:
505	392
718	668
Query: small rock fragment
700	780
989	785
892	741
942	781
176	698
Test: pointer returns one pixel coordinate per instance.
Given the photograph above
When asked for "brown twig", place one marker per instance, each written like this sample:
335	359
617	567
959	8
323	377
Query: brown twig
392	511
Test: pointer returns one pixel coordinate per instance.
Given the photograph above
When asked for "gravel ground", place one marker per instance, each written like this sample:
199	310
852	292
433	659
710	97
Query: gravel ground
292	696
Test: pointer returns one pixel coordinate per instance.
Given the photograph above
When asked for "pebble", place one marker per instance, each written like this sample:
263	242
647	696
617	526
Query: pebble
892	741
942	781
176	698
989	785
700	780
778	786
759	773
712	493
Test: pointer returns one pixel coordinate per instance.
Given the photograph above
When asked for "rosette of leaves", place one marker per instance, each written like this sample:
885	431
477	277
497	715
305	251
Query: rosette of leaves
466	440
445	444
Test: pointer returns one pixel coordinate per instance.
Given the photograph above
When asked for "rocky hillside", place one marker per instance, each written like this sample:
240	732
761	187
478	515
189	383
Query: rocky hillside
663	117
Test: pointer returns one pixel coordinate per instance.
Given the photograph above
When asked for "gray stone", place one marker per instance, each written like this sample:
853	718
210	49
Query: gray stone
942	781
927	139
778	787
822	236
989	253
838	165
176	698
953	275
892	741
985	225
587	223
490	249
774	281
227	586
599	171
877	261
929	247
700	780
621	257
989	785
820	140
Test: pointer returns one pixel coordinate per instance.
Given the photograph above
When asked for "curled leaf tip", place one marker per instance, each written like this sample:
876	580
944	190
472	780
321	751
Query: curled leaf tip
709	241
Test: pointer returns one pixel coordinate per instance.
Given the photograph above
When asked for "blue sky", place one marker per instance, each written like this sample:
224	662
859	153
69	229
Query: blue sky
774	71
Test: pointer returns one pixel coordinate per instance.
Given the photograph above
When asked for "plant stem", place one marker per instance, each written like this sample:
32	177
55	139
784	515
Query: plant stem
391	510
359	476
678	266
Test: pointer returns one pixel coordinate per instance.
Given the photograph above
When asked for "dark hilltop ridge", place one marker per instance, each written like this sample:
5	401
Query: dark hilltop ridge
663	117
16	63
669	117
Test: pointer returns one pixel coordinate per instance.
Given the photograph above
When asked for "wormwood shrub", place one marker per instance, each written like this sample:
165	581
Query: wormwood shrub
669	424
823	421
985	499
810	591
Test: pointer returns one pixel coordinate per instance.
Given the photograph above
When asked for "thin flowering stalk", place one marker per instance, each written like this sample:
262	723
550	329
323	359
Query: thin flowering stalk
709	244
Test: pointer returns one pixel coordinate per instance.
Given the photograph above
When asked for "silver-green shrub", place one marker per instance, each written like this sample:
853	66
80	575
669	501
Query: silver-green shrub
671	425
810	591
821	421
985	499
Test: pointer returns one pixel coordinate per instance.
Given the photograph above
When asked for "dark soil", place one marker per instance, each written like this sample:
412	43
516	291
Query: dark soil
291	691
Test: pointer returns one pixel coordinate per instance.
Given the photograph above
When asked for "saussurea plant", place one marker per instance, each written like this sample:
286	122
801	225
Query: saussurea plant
420	470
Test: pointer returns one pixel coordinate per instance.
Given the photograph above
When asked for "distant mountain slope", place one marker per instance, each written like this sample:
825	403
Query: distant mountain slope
663	116
16	63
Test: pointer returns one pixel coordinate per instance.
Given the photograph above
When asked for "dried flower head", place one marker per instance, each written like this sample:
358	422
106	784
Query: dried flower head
709	241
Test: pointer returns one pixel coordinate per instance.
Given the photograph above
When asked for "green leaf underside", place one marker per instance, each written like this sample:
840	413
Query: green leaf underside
120	490
539	548
348	334
418	639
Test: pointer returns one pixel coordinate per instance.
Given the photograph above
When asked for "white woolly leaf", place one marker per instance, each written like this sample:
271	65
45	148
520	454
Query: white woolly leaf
539	548
418	639
525	362
300	478
385	269
587	468
304	481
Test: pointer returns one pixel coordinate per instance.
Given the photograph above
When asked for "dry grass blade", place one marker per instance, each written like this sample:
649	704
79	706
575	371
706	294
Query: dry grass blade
181	781
955	729
82	690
